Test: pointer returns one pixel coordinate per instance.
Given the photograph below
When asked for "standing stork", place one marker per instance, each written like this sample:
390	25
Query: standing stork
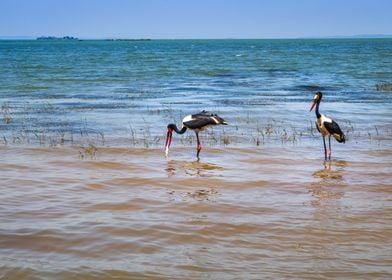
326	126
197	122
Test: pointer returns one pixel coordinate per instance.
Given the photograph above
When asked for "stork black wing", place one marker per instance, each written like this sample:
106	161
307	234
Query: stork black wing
203	119
334	129
202	114
199	122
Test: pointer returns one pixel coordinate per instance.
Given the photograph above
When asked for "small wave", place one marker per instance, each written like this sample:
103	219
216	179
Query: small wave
310	88
213	72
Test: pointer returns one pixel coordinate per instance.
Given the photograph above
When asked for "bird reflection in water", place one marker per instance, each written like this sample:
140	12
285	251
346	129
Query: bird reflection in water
193	169
328	208
330	182
332	171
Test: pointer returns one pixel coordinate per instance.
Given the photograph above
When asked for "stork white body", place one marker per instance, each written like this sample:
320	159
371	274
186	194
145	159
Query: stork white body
320	124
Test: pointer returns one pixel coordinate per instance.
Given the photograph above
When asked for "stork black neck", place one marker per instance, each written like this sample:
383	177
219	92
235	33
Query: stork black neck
317	109
175	128
320	96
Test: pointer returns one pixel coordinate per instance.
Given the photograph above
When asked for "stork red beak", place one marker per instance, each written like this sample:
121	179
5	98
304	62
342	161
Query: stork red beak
311	107
168	140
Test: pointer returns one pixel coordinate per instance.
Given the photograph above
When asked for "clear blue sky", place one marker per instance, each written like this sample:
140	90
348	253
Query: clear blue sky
194	18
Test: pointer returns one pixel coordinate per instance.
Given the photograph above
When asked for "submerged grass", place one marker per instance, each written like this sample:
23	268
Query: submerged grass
88	151
259	135
18	128
7	113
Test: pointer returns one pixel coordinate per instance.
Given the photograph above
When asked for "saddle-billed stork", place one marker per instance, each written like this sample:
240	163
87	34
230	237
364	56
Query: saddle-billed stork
197	122
326	126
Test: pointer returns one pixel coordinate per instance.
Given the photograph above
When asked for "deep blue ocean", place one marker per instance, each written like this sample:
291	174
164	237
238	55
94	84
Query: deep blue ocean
114	91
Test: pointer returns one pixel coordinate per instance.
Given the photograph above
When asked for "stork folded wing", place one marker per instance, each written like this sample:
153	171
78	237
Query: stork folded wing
199	122
334	129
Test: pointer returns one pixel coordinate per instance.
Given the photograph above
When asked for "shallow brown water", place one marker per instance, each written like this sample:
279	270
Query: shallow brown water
240	213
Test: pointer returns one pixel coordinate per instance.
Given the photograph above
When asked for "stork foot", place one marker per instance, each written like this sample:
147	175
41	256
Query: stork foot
198	152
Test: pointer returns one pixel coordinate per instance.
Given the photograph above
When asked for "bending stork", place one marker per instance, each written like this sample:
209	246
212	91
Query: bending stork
197	122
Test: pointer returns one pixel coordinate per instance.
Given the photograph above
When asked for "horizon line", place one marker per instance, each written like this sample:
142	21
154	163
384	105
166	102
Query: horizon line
358	36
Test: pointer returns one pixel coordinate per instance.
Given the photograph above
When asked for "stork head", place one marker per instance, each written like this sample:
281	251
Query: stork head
316	99
168	138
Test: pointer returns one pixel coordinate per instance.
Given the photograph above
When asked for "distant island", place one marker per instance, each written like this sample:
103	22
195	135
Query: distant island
71	38
127	39
53	38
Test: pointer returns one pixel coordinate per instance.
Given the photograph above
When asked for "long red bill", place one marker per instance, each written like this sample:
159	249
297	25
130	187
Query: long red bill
311	107
168	141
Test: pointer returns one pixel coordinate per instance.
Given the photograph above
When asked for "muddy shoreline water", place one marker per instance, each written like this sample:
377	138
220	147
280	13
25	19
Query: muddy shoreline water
238	213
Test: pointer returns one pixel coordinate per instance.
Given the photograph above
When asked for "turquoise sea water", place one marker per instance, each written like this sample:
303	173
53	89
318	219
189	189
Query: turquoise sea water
121	89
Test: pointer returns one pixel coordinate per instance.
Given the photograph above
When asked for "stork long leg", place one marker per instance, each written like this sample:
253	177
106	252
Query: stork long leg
325	148
329	144
198	145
